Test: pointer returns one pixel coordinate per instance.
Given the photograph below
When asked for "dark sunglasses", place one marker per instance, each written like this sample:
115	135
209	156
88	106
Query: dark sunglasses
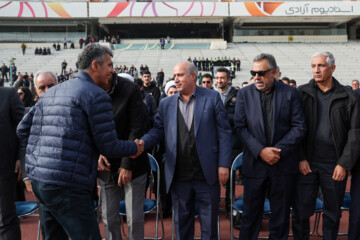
20	93
260	73
205	81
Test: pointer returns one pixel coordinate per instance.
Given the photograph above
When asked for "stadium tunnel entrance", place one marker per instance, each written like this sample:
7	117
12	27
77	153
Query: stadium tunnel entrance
130	29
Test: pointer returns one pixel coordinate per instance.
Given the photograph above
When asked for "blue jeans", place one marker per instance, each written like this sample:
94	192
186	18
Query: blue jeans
66	212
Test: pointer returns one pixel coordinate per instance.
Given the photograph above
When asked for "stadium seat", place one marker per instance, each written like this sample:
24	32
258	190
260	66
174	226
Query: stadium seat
28	209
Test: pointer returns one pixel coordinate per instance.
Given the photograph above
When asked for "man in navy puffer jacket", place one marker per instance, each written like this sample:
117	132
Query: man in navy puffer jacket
65	132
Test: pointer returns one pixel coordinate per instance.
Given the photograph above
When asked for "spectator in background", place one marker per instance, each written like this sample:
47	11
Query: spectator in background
207	81
63	67
285	80
42	82
81	42
244	84
150	86
160	79
292	82
148	100
228	98
26	97
162	43
13	69
170	88
355	84
4	72
117	39
23	48
65	43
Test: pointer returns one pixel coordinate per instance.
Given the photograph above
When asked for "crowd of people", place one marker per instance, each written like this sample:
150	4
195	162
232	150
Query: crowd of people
102	122
42	51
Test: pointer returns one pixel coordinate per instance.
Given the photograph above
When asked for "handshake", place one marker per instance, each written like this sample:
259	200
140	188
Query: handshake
140	147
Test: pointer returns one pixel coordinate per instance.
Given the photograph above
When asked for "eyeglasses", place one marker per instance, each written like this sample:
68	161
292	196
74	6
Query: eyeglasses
20	93
260	73
205	81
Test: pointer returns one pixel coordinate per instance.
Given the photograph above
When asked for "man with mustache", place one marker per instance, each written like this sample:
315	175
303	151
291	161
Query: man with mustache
270	124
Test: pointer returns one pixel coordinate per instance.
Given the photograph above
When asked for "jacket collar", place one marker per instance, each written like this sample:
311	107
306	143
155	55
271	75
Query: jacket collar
339	91
84	76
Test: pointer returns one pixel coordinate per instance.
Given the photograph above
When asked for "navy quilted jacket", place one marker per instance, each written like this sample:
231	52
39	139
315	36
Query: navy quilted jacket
65	132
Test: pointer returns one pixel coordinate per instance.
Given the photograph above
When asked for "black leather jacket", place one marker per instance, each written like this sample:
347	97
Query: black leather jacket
344	115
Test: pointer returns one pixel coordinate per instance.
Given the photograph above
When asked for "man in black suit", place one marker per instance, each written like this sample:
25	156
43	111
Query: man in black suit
11	113
270	124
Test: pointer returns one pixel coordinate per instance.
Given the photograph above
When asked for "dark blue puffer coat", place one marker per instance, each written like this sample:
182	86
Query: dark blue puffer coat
67	130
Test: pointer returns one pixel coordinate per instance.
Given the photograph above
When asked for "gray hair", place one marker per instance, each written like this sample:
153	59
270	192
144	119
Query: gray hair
44	73
329	57
266	56
191	69
92	52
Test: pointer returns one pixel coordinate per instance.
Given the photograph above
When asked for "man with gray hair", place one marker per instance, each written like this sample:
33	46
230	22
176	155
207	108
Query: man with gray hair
43	80
196	159
65	132
270	124
329	149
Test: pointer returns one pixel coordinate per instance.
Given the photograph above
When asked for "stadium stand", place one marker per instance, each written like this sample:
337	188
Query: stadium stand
293	58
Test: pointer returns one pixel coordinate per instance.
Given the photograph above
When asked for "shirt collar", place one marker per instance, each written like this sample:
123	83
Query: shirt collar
193	95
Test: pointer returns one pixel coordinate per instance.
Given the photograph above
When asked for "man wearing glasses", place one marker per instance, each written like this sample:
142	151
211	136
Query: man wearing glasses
207	81
270	124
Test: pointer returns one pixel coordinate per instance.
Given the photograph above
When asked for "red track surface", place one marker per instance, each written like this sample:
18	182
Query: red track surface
29	225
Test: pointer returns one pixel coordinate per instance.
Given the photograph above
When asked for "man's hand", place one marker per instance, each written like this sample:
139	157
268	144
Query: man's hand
28	186
304	167
140	147
18	170
103	164
223	175
339	173
124	176
270	155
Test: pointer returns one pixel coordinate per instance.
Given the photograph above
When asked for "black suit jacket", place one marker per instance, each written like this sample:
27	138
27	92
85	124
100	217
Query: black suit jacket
287	133
11	113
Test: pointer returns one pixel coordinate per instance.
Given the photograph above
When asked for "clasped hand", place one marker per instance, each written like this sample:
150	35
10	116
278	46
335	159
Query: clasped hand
270	155
140	147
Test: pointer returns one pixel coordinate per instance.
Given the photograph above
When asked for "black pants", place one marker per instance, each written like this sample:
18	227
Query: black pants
9	222
307	188
280	193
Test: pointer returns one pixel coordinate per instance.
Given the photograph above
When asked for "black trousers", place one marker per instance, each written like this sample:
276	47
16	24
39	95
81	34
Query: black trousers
9	222
280	194
306	192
